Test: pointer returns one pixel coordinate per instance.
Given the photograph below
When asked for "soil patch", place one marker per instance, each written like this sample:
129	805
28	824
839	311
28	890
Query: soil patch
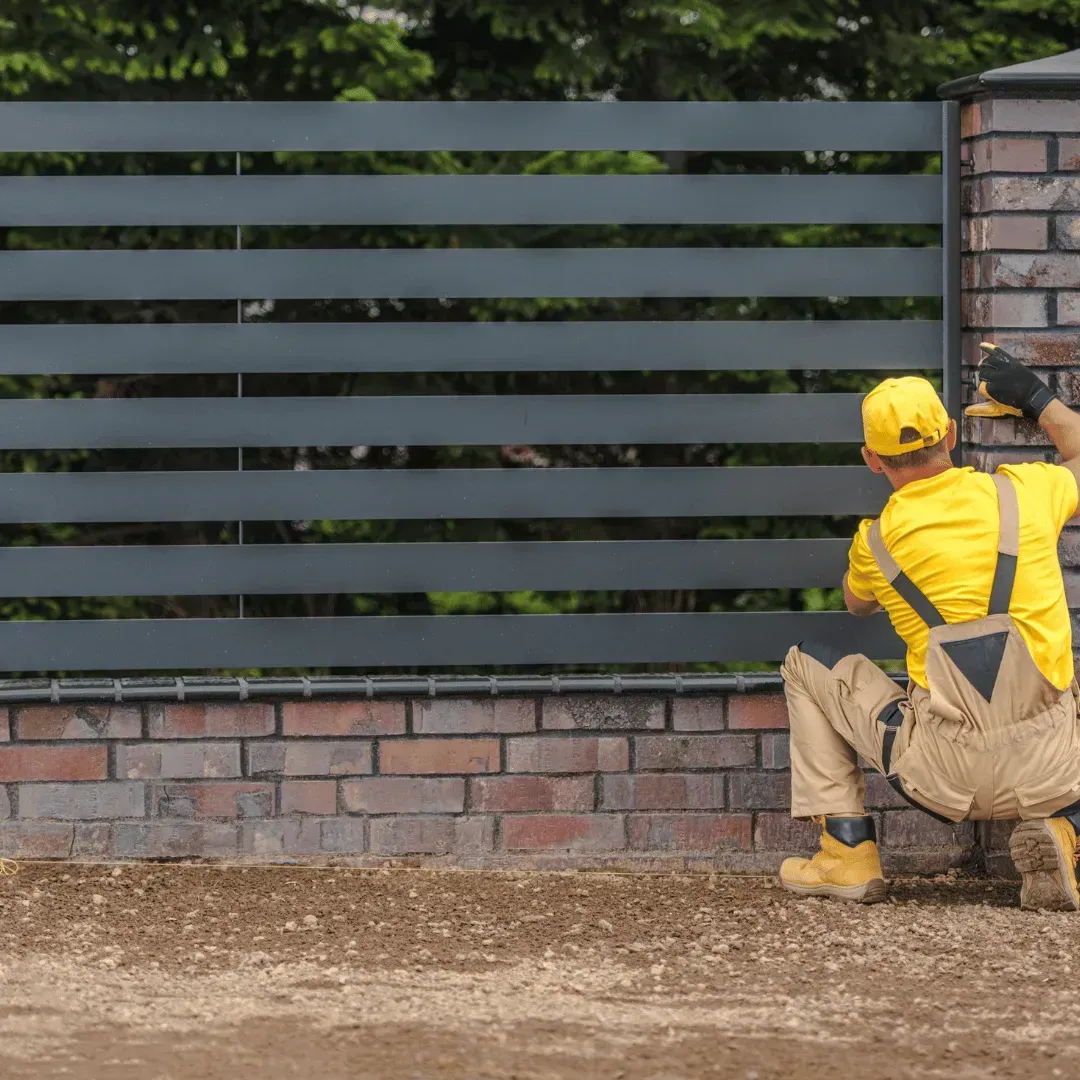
185	972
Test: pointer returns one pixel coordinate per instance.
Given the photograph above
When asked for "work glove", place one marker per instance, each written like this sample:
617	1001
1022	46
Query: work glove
1013	388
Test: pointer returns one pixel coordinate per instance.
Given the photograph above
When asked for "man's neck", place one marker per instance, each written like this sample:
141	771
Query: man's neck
902	477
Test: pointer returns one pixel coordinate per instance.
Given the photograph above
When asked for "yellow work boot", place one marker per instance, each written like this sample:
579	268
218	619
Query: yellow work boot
847	867
1044	851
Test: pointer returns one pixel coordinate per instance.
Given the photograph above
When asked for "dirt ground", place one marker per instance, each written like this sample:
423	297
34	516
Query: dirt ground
183	972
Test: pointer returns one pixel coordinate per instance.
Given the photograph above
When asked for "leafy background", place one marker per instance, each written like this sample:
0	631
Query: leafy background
742	50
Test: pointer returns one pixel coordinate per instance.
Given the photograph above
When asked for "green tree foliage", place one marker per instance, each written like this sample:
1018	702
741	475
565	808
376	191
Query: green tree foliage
480	50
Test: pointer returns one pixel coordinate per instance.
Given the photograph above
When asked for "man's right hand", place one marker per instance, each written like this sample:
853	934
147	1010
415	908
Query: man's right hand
1010	384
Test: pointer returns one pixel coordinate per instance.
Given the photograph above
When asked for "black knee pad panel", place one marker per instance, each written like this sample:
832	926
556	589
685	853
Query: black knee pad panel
822	652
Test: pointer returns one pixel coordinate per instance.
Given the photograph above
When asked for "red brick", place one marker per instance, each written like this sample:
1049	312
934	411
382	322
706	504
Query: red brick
342	835
210	721
86	802
1027	193
509	793
217	800
54	763
404	795
309	758
690	832
776	751
970	272
694	751
431	836
1068	155
988	461
564	832
995	834
36	839
457	716
438	756
781	832
1067	232
175	840
309	797
757	711
698	714
1005	309
361	717
78	722
1034	114
914	829
760	790
1009	155
602	712
178	760
297	835
1069	548
1043	349
1072	588
1004	431
1019	271
1007	232
970	119
560	754
662	791
93	840
1068	308
969	197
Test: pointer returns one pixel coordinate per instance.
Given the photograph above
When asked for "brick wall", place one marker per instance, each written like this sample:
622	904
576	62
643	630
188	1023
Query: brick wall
1021	274
576	781
1021	279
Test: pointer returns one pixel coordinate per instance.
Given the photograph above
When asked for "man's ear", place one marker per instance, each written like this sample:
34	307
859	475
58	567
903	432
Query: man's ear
950	437
873	462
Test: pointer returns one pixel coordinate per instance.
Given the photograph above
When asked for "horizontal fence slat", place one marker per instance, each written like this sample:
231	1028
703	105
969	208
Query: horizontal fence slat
89	348
482	420
429	274
334	126
295	569
468	200
432	494
432	641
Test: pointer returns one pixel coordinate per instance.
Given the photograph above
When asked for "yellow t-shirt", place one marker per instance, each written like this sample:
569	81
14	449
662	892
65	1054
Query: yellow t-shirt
943	532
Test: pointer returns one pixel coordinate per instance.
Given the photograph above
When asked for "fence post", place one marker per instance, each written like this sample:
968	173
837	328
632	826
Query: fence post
1020	223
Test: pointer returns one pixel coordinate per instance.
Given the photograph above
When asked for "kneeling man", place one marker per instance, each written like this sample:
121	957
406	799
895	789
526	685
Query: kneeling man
966	566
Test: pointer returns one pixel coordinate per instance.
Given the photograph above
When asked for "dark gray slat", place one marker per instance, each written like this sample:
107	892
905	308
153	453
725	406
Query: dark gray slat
285	569
420	494
487	420
331	126
301	273
431	641
468	200
506	346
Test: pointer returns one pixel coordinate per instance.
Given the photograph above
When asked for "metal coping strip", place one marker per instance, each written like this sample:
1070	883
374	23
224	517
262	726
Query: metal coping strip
118	691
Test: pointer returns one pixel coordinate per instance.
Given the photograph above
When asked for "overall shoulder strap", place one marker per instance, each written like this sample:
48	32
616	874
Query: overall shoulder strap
896	577
1008	546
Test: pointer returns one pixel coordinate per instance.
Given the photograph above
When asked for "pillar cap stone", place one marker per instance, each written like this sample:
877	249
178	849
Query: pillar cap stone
1051	73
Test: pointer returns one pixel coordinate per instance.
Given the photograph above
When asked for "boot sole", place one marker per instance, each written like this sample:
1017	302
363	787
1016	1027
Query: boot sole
1043	869
873	892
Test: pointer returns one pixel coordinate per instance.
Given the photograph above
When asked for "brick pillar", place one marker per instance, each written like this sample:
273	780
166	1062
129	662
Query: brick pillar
1020	205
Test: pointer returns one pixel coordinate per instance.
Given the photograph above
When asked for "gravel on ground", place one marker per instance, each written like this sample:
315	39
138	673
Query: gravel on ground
147	971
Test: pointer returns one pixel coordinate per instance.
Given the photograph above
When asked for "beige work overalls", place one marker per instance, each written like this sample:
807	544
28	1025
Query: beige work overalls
991	738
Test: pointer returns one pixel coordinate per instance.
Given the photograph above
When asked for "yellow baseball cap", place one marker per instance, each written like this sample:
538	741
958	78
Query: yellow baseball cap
901	415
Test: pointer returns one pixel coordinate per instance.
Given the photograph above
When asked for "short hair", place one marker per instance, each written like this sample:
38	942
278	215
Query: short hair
915	459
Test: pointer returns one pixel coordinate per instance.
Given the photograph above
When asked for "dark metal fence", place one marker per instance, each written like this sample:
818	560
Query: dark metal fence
469	641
